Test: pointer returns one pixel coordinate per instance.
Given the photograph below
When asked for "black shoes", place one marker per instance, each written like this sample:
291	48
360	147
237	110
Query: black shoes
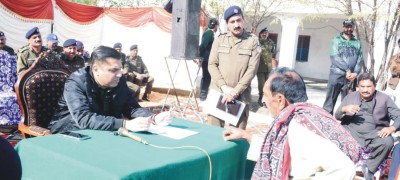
260	102
145	98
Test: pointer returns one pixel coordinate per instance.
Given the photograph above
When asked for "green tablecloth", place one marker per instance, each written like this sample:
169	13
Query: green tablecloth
106	156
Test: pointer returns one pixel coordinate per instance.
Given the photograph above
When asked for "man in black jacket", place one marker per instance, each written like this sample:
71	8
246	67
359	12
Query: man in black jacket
97	97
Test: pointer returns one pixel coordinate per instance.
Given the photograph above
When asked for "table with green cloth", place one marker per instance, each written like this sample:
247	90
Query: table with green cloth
108	156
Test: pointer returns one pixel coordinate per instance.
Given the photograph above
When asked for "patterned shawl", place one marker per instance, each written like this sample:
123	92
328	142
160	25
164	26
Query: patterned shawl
274	160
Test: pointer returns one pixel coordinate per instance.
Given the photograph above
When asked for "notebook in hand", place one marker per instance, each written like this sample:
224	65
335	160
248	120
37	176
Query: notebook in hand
232	107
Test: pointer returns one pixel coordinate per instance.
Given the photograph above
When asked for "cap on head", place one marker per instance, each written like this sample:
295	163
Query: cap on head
264	30
1	34
133	47
52	38
79	45
347	23
31	32
231	11
117	45
213	22
69	42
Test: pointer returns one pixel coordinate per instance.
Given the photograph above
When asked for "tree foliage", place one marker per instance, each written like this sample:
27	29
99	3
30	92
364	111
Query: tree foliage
255	12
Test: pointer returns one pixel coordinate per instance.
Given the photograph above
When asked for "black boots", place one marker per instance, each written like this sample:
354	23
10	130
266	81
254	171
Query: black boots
260	101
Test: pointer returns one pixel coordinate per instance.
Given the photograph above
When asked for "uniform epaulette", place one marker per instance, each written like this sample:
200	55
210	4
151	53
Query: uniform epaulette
24	48
253	36
222	34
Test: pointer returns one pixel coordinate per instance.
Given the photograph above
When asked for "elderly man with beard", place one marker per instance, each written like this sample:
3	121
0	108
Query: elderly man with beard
267	61
3	45
28	54
347	59
303	141
366	114
233	63
97	97
70	57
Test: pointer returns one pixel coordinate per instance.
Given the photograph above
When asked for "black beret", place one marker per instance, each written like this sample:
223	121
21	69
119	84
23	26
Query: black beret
347	23
31	32
1	33
69	42
233	10
213	22
117	45
133	47
263	30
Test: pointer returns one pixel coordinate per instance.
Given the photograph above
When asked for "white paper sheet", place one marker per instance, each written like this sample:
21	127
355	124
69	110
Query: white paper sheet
171	132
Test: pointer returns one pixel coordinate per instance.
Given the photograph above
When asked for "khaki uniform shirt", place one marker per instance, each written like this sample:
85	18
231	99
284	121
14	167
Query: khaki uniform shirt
135	65
73	64
267	53
26	56
234	62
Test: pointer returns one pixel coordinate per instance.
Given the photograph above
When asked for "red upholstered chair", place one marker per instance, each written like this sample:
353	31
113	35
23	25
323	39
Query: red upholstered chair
38	90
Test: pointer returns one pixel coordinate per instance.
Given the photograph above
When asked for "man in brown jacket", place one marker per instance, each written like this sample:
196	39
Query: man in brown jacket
233	63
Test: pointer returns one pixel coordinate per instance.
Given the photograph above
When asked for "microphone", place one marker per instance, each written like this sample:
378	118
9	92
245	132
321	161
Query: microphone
124	132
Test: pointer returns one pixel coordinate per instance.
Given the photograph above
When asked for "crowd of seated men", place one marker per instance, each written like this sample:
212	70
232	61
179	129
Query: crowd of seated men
374	134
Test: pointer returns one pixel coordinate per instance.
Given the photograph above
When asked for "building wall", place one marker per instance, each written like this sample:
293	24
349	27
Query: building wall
321	33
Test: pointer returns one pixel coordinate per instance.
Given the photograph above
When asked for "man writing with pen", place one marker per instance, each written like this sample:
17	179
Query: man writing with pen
97	97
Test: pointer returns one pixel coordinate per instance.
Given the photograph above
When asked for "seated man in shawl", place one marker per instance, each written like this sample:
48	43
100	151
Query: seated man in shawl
366	114
304	141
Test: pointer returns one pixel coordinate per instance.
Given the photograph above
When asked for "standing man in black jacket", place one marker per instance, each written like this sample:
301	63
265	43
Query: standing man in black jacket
207	40
97	97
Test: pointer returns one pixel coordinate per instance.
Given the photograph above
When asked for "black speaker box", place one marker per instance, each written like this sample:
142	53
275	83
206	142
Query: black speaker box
185	29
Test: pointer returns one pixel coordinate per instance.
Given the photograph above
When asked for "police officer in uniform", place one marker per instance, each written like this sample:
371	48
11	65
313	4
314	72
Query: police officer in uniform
52	43
70	57
207	40
3	44
233	63
80	51
118	46
136	72
267	61
28	54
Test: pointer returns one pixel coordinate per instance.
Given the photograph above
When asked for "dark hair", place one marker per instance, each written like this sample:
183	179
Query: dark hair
366	76
289	83
101	53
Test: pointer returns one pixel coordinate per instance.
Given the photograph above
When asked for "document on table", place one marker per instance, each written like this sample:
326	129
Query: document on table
171	132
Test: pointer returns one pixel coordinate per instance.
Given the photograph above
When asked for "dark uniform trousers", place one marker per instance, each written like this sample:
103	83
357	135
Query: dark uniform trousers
205	80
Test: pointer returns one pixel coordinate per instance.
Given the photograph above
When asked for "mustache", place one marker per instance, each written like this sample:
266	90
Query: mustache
38	41
237	28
